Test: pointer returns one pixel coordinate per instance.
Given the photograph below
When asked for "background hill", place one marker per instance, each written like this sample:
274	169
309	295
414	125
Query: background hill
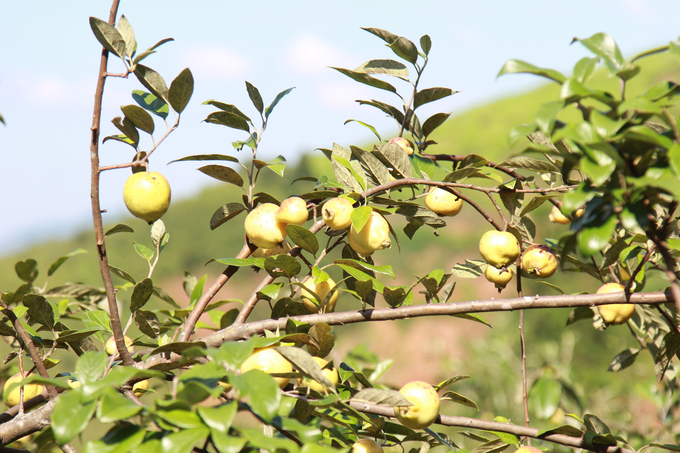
577	354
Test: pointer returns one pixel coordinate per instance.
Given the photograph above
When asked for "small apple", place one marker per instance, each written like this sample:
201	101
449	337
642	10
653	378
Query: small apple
500	277
405	144
330	373
499	248
293	211
282	248
615	313
375	235
321	289
425	407
140	388
539	261
13	398
111	348
366	446
336	213
443	202
270	361
147	195
262	228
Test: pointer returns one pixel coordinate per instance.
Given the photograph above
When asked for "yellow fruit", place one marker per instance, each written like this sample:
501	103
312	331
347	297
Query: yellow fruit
262	228
556	215
366	446
528	449
269	361
111	345
282	248
330	373
375	235
357	248
499	248
147	195
140	388
425	407
443	202
321	289
614	313
12	398
293	210
336	213
405	144
538	260
500	277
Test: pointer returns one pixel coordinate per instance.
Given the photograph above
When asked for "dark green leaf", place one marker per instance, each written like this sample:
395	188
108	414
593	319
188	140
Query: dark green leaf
282	265
224	213
623	359
27	270
460	399
39	310
304	363
388	67
228	119
108	36
381	397
181	90
147	323
206	157
302	237
276	100
434	122
431	94
544	396
139	117
405	49
222	173
255	97
122	274
71	336
366	79
670	346
229	108
53	268
141	294
151	103
385	35
152	81
425	44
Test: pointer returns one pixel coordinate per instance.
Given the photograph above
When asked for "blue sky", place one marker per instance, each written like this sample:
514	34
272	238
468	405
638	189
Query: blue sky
49	60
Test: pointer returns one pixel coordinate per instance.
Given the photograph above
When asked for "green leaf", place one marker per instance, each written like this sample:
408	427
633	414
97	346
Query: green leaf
386	270
366	79
113	406
302	237
451	380
151	103
141	294
257	262
185	440
72	412
360	217
181	90
108	36
70	336
594	238
150	50
143	251
460	399
139	117
128	34
304	363
255	97
90	366
200	157
604	46
122	274
366	125
405	49
430	95
222	173
152	81
547	114
385	35
225	213
282	265
544	396
276	100
53	268
381	397
262	392
624	359
522	67
387	67
471	269
585	68
147	323
425	44
219	417
100	318
39	310
229	108
228	119
27	270
434	122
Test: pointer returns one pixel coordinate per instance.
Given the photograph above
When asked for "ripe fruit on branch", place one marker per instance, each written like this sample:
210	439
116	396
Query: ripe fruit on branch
425	407
330	373
111	348
500	277
13	398
281	248
147	195
262	228
499	248
293	210
443	202
336	213
321	289
528	449
556	215
140	388
357	248
270	361
614	313
375	235
366	446
538	260
405	144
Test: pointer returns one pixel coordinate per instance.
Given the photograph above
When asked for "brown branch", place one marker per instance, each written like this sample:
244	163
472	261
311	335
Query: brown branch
28	423
94	198
517	430
523	349
461	157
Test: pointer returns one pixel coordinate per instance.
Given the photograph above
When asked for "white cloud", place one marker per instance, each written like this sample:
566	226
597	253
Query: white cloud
215	62
309	54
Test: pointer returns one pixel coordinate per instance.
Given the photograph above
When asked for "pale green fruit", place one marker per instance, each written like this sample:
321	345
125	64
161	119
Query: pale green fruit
336	213
262	228
111	348
321	289
13	398
147	195
614	313
500	277
443	202
405	144
293	211
366	446
538	260
281	248
270	361
528	449
375	235
357	248
499	248
330	373
425	408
